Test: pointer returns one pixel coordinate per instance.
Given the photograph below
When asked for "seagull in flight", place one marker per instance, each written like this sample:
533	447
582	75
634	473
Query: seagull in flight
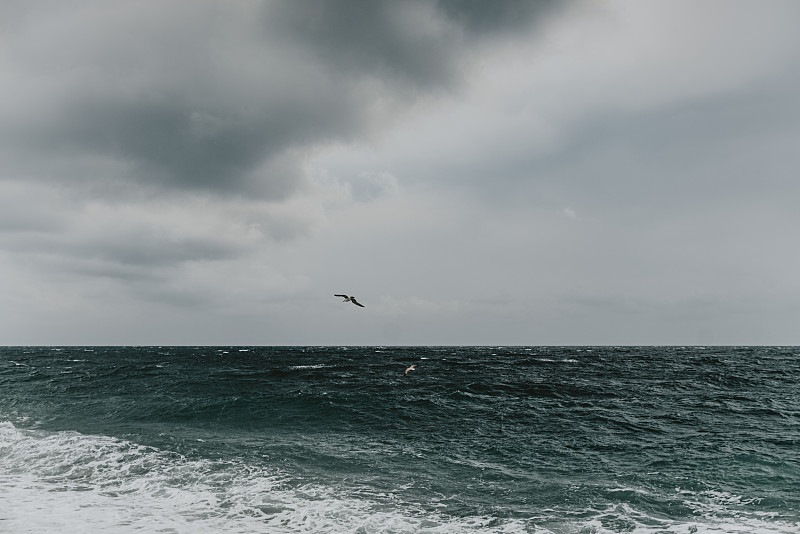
410	369
350	299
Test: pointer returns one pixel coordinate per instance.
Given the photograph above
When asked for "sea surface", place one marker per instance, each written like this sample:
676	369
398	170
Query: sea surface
339	440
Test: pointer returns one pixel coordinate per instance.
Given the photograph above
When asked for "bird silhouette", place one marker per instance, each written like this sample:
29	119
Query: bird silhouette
350	299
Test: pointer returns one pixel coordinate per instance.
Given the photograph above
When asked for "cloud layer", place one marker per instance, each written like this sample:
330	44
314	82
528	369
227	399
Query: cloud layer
478	172
221	97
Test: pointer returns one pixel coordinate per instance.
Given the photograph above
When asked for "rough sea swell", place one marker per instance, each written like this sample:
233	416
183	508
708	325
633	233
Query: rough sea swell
476	439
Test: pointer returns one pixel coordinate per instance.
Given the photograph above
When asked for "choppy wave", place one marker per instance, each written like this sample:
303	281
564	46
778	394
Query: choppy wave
58	481
496	440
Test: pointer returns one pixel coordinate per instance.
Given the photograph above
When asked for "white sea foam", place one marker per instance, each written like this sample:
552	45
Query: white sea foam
66	481
54	482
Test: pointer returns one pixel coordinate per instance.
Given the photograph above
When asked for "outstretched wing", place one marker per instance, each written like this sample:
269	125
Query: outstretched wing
356	302
345	296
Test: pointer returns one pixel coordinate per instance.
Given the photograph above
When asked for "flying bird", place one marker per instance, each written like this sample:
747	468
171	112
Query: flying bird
350	299
411	368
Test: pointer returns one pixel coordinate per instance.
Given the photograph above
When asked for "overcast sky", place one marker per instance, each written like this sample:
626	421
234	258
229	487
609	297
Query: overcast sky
500	172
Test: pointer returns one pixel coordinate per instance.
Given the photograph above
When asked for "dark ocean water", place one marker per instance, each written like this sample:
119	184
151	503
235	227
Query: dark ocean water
476	439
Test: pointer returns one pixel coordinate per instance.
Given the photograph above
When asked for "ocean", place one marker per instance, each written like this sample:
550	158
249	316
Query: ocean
340	440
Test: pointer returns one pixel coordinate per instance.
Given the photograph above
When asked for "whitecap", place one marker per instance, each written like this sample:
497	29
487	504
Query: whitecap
67	481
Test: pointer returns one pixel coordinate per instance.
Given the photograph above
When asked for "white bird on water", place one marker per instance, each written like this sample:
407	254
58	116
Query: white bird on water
350	299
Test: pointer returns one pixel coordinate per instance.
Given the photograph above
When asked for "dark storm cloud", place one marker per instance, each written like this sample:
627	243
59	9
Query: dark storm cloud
489	17
226	97
389	42
411	43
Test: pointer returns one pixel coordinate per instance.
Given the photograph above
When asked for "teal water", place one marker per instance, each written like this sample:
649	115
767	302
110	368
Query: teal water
338	439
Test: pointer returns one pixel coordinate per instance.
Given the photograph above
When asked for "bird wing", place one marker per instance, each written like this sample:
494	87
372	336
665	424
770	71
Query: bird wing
356	302
345	296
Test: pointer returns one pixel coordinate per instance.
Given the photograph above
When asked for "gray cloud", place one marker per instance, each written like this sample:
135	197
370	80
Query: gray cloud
730	148
224	97
504	171
145	107
490	17
421	44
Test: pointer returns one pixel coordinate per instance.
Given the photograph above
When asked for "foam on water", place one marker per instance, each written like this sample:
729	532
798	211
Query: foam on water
57	481
65	480
537	440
